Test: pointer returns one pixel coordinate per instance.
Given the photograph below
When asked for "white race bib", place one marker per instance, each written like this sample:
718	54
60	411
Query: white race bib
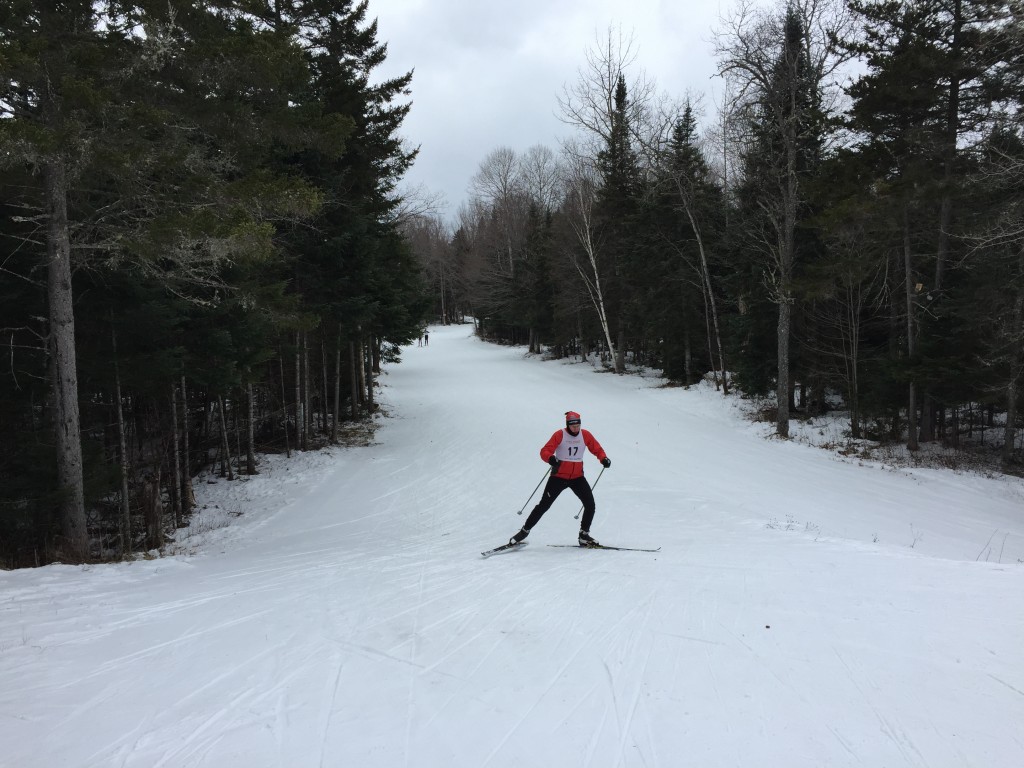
571	448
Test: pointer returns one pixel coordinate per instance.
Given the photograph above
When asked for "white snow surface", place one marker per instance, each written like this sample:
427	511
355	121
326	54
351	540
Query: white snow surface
805	610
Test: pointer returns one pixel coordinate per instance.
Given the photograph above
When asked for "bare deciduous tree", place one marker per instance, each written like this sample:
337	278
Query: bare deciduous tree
780	59
540	172
498	183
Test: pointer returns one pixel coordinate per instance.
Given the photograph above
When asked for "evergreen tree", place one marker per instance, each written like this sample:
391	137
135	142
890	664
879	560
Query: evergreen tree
693	228
616	211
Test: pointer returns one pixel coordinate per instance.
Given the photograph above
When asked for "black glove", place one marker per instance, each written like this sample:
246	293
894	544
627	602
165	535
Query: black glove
554	463
606	462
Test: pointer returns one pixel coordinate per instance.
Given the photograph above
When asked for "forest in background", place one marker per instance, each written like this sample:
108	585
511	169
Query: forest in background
206	253
201	255
847	232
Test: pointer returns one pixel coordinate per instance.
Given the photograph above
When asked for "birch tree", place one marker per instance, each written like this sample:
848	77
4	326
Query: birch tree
586	253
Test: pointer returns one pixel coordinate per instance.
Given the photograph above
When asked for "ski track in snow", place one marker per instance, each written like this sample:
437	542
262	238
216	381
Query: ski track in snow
804	611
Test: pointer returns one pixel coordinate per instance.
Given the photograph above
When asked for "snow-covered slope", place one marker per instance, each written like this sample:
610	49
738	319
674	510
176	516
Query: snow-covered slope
804	610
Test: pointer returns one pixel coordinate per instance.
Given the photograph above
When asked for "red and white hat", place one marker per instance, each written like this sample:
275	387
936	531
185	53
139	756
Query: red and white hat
571	417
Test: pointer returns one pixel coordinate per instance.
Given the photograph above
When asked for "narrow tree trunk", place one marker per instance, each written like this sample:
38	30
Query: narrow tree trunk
126	511
74	544
225	443
688	355
300	416
850	334
353	379
153	511
444	309
324	384
284	407
188	495
620	355
361	356
250	451
175	484
375	353
337	386
912	443
368	369
306	391
236	421
782	383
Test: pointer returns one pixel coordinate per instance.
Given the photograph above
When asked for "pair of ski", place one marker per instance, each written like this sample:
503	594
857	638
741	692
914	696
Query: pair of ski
517	544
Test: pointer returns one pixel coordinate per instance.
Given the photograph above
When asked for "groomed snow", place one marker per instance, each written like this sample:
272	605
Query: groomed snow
805	610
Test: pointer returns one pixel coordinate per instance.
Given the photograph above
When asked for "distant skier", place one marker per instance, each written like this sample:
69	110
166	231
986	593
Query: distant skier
426	339
564	452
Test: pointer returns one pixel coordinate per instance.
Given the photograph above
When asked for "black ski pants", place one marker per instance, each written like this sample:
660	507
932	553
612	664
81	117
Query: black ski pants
554	487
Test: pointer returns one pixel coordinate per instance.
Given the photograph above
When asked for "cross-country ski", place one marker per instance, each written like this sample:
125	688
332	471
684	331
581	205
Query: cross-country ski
505	548
605	546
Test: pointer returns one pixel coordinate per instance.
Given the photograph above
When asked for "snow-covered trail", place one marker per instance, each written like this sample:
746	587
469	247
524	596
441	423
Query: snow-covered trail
802	612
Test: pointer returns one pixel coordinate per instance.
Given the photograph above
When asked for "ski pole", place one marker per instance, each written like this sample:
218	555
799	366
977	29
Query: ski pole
598	480
534	491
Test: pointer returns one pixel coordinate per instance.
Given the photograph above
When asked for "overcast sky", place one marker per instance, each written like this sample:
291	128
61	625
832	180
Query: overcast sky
489	75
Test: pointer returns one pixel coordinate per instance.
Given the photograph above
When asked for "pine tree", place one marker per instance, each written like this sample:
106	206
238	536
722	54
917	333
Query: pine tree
616	211
692	227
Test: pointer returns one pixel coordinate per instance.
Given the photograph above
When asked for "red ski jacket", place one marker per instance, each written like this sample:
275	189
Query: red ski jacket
569	449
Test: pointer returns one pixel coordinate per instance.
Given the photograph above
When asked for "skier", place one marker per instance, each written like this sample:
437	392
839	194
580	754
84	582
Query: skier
564	452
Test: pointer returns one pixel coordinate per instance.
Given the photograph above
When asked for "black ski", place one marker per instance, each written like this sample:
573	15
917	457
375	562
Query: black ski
605	546
505	548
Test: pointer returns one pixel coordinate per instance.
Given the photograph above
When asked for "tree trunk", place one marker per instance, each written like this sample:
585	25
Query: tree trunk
324	384
225	443
175	484
74	544
361	356
1013	385
153	511
300	416
368	369
688	355
782	383
126	510
306	391
912	443
337	387
284	407
188	494
353	379
787	254
250	448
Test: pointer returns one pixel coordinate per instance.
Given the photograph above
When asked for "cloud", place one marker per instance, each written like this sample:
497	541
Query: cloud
490	75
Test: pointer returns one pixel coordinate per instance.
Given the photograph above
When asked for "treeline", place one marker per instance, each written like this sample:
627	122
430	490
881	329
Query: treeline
200	253
848	232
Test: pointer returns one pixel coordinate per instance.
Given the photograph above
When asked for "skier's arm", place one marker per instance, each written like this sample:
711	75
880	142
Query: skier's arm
593	446
550	446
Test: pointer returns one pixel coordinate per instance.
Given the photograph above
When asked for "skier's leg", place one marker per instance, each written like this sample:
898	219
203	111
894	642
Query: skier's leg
555	486
583	492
